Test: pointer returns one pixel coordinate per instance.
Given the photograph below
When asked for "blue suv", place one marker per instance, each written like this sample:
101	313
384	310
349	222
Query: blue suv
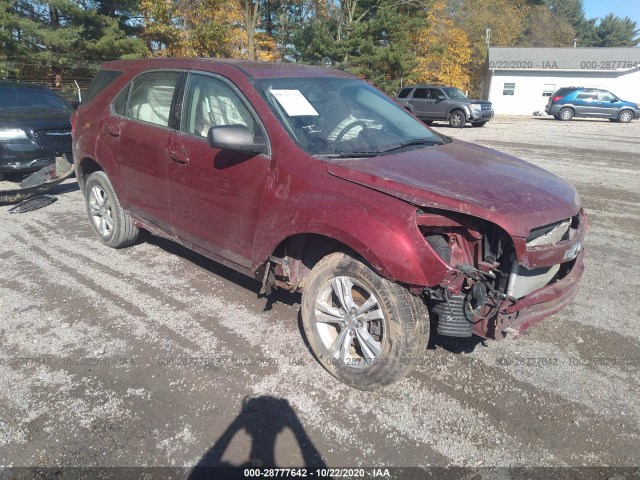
570	102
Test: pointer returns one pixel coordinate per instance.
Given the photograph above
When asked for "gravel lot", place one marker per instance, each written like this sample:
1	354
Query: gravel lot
154	356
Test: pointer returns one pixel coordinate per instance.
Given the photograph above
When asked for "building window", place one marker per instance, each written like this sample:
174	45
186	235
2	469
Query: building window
548	89
509	89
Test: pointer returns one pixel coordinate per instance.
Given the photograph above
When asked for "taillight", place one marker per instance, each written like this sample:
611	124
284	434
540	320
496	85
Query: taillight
557	98
73	123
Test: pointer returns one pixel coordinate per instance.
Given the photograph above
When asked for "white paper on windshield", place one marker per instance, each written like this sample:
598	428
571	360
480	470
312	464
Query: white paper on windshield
294	103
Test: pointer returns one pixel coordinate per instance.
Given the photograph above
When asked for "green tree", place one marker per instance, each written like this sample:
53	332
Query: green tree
52	38
614	31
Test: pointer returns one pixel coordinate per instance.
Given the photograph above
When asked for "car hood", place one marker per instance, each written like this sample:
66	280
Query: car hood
469	179
35	119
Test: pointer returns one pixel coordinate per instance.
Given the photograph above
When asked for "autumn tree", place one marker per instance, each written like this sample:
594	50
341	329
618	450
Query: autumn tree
544	29
443	51
505	18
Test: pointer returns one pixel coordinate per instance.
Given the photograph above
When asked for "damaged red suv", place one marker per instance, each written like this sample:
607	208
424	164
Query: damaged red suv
311	180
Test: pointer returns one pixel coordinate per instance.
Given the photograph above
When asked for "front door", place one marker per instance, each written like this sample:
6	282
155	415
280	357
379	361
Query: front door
215	195
438	104
608	105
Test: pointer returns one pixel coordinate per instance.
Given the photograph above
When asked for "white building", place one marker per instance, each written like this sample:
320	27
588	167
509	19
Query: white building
519	81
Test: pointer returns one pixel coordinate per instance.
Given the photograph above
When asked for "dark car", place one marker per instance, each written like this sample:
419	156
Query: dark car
430	103
35	127
569	102
311	180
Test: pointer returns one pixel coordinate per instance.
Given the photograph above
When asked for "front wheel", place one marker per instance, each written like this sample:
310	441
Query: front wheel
457	119
365	330
625	116
110	222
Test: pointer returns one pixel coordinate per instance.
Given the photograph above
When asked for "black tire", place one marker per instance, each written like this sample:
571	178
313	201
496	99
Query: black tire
109	221
566	114
457	119
396	321
625	116
428	122
478	124
557	117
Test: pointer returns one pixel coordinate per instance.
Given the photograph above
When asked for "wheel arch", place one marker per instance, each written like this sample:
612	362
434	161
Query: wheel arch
85	167
398	251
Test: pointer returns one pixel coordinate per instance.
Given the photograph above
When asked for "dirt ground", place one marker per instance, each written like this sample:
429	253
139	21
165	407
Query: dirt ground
154	356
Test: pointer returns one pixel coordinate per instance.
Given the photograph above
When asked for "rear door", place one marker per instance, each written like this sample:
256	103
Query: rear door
419	102
215	195
585	103
136	135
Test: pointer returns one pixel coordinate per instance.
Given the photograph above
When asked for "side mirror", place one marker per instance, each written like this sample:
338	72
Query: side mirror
234	137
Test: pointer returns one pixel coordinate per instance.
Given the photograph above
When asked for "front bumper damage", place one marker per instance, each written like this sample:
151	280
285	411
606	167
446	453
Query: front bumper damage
514	318
494	302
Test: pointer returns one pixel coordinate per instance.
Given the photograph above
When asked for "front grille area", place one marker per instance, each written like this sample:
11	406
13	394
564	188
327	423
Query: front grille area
54	140
486	106
549	234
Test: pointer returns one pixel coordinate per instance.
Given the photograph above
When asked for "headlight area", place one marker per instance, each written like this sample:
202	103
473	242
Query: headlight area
499	286
481	255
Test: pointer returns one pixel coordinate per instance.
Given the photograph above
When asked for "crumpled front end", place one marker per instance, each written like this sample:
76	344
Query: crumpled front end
500	285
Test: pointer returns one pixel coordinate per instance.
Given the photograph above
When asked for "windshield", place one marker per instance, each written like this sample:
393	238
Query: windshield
16	96
342	117
454	93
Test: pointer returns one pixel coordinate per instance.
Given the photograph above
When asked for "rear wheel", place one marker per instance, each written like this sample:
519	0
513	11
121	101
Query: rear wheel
566	114
110	222
457	119
428	122
625	116
365	330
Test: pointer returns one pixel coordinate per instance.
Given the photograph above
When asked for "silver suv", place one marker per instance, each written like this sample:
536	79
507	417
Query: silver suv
430	103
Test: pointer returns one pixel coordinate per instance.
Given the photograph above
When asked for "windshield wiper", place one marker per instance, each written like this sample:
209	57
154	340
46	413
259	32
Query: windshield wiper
380	151
397	146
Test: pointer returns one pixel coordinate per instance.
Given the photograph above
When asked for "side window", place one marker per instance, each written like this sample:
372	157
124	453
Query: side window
211	102
120	102
509	89
404	93
606	97
420	93
150	97
436	94
101	81
548	89
587	96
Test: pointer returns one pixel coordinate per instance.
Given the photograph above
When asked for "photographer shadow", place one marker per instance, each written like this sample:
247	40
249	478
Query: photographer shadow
262	419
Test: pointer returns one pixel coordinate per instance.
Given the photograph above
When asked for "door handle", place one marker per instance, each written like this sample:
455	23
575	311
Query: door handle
178	158
113	130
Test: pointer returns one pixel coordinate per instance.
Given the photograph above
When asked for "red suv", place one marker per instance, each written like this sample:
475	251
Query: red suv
311	180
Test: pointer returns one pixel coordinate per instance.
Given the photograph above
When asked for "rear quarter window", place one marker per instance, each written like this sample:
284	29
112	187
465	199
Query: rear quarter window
101	81
404	93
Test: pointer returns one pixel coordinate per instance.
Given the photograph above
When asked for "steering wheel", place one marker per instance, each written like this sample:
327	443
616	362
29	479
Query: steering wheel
352	125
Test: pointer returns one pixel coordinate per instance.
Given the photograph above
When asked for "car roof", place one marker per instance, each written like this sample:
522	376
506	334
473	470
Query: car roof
253	69
9	83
